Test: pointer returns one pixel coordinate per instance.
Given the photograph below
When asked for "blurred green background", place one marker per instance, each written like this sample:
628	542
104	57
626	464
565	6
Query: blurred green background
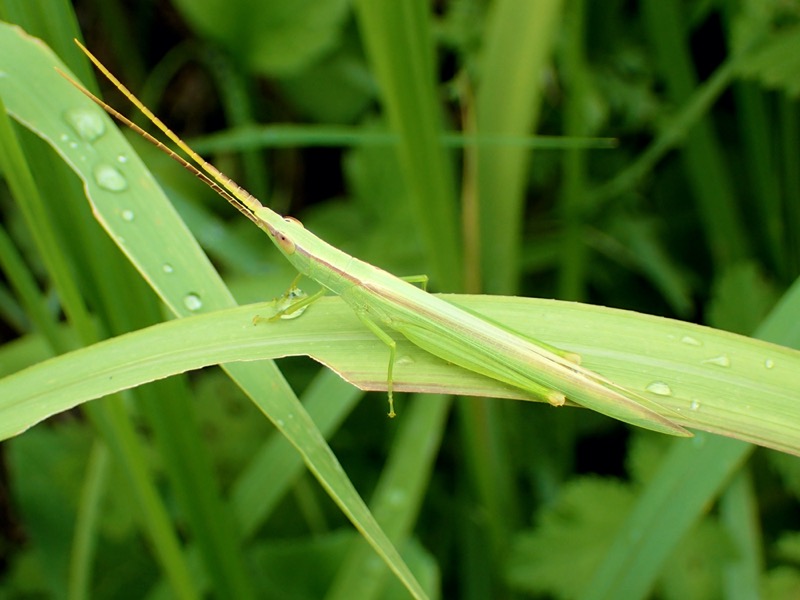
641	154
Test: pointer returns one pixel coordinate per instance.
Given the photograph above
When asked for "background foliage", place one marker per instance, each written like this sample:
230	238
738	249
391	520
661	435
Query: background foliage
694	215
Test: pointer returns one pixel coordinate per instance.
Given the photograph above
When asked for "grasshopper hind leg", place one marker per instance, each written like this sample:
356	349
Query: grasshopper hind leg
386	339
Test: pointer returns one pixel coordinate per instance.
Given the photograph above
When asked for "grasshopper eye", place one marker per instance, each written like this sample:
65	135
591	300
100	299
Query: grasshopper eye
283	241
285	244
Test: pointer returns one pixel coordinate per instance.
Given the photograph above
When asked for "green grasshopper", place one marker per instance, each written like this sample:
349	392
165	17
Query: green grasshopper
382	301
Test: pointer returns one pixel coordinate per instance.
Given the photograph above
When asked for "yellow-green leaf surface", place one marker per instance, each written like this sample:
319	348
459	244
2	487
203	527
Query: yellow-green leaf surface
137	215
717	381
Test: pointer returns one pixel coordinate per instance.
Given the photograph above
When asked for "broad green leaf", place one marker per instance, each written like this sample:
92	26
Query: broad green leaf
716	381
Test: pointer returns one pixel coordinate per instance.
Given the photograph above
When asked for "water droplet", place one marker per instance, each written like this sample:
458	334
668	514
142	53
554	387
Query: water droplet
64	137
769	363
122	159
73	145
109	178
279	422
723	360
405	360
695	405
690	341
86	122
660	388
192	302
167	268
3	74
127	215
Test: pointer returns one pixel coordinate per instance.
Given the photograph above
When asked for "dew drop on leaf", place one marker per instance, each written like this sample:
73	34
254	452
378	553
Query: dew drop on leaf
192	302
723	360
660	388
109	178
87	123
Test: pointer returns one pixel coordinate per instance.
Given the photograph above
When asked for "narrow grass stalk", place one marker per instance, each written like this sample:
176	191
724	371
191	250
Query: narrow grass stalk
739	514
86	525
704	160
517	49
400	47
398	495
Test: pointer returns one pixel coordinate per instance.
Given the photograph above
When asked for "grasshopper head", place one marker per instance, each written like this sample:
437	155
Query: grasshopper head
281	230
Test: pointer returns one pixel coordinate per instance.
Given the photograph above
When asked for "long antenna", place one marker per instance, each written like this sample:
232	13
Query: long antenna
236	195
